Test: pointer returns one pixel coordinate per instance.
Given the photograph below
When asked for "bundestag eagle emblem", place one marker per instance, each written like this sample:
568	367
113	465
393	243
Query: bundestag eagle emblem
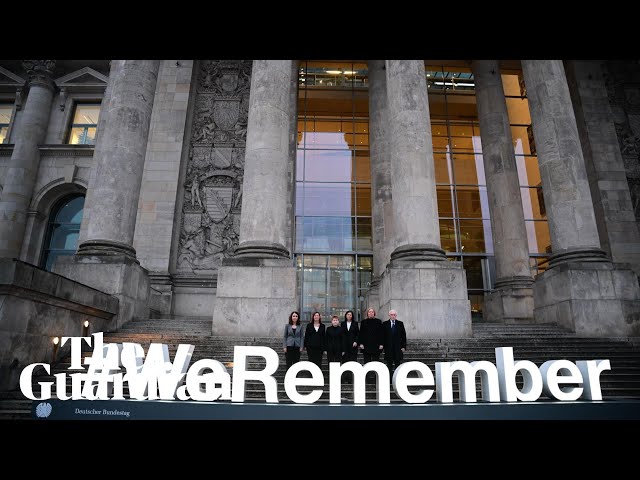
43	410
218	201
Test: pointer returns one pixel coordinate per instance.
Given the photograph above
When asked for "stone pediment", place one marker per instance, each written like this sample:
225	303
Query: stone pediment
86	76
10	78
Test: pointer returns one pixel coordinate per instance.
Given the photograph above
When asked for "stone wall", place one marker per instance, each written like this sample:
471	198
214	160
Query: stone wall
63	169
35	307
209	200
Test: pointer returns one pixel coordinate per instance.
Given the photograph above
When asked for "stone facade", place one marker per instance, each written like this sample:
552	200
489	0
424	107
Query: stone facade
613	207
35	307
212	187
191	212
256	285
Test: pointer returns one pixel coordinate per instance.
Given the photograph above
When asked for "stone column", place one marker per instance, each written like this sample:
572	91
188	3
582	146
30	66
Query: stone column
107	260
382	200
25	159
413	180
258	284
429	293
567	199
512	299
263	222
582	289
119	159
613	208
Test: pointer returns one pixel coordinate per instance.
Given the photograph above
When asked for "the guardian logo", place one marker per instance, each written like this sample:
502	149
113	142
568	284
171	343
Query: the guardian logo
156	377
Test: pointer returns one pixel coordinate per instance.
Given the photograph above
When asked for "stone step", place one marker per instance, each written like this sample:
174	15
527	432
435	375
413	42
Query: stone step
229	346
15	414
411	345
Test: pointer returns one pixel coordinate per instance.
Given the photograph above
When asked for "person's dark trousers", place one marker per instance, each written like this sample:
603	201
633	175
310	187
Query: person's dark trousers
351	355
391	361
334	356
292	355
315	355
371	357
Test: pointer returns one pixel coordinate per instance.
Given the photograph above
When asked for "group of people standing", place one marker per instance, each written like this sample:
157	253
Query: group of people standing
343	341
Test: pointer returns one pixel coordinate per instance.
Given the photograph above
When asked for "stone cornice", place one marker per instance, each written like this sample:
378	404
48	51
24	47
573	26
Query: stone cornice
67	150
6	150
55	150
202	281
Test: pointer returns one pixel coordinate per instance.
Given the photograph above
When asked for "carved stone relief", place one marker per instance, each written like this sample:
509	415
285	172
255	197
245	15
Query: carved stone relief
210	226
623	91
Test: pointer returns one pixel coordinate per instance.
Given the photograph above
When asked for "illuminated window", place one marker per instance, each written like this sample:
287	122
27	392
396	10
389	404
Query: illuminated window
85	123
333	241
463	205
63	229
6	110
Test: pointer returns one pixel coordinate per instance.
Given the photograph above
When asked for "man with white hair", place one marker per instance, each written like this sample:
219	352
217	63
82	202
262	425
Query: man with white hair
395	341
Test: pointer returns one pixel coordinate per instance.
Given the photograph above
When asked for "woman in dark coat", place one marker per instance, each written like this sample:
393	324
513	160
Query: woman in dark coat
314	339
293	339
371	338
350	330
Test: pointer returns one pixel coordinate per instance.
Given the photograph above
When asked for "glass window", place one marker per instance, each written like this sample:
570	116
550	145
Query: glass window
443	168
333	165
333	178
324	234
448	236
63	230
327	165
362	166
476	299
468	169
364	239
6	110
327	199
474	269
445	195
84	125
520	135
472	202
475	236
513	85
518	109
538	236
528	171
533	203
331	284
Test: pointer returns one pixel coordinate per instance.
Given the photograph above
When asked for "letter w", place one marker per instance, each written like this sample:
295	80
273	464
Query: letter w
146	376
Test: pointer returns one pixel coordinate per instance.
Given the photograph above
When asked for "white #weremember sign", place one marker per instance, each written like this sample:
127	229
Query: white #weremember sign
155	377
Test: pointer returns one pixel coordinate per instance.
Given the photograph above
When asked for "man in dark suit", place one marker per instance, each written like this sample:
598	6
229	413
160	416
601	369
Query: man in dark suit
395	341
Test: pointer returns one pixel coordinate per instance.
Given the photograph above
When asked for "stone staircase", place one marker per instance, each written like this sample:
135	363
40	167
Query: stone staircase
537	343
